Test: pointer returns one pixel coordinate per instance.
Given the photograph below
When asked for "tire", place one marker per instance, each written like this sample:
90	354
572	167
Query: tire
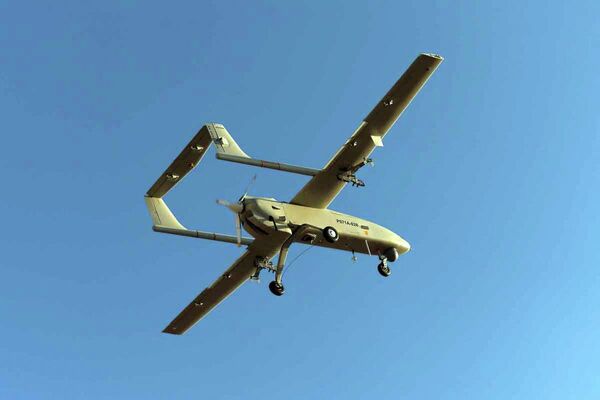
330	234
384	270
276	288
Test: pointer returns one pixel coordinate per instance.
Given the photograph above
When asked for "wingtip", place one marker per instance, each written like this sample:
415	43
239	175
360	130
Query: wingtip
433	55
172	330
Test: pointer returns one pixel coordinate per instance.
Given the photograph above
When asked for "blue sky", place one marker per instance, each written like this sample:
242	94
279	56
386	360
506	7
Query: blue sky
491	174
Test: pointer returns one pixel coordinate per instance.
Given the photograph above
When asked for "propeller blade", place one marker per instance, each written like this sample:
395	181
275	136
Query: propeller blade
223	203
238	229
235	207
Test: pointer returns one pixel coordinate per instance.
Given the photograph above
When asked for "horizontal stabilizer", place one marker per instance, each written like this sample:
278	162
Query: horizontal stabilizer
189	157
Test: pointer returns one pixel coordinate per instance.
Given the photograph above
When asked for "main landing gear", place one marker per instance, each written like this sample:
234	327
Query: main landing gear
276	286
330	234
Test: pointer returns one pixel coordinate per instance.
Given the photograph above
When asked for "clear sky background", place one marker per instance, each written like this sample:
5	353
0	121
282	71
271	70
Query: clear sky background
491	174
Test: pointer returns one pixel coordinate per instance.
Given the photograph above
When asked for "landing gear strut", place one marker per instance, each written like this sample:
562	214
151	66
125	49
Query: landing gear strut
276	286
383	268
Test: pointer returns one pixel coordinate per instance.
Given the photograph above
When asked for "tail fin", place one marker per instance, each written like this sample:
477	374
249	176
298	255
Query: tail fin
161	214
187	160
223	141
163	219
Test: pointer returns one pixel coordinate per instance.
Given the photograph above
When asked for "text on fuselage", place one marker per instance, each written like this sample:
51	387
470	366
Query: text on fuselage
344	222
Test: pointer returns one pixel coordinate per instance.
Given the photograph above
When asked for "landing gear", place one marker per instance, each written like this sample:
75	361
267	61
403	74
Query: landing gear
384	269
330	234
261	263
276	288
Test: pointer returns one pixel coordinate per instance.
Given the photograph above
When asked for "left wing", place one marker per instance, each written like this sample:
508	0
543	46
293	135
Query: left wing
227	283
320	191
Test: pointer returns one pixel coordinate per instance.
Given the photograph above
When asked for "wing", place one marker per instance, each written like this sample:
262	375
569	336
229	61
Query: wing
227	283
322	189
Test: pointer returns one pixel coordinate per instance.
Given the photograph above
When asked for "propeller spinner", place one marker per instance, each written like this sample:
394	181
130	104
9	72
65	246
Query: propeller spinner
238	208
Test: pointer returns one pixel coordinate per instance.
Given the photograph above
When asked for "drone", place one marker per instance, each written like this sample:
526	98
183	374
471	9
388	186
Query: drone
275	225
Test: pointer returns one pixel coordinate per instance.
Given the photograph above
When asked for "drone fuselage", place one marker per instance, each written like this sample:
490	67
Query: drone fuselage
265	216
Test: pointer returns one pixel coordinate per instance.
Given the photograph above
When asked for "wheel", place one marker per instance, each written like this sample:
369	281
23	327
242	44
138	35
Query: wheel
330	234
384	270
276	288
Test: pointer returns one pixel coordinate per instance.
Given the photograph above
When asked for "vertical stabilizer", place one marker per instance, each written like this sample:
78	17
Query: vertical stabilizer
223	141
161	214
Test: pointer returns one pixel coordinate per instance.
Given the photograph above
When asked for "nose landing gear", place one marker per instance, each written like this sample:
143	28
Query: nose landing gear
383	267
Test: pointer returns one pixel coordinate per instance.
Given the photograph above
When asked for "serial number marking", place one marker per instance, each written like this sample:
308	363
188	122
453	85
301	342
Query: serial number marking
344	222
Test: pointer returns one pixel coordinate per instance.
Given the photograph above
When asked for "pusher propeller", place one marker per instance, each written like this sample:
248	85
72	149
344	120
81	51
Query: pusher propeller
238	208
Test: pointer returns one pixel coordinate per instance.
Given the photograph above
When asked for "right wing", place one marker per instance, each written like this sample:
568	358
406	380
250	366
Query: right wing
227	283
320	191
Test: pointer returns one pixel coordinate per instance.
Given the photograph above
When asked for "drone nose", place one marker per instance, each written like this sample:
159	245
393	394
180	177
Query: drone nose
404	246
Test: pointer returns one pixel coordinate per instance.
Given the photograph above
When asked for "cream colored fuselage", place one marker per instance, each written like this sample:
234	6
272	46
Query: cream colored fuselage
264	216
